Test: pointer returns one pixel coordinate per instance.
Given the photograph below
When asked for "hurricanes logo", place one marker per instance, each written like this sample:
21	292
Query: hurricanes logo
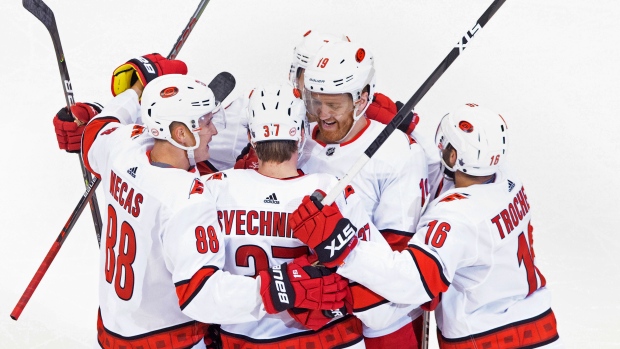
108	131
455	196
169	92
136	131
197	187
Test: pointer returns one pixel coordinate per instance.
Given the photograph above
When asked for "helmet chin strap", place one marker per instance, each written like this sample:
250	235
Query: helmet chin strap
190	157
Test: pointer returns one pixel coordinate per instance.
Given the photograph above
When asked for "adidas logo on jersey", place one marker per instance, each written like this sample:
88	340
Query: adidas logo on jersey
271	199
511	185
132	171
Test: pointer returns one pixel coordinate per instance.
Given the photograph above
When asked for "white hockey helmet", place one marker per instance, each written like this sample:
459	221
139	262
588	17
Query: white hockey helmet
479	136
341	67
276	112
305	50
179	98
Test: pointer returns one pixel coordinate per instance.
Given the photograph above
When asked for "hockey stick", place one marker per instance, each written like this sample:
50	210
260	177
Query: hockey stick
220	84
44	14
401	115
411	103
47	261
188	29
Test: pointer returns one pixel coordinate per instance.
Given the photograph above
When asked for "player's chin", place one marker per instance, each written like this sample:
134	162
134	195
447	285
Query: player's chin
332	135
202	154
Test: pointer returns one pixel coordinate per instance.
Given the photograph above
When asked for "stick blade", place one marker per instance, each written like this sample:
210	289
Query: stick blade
40	10
222	85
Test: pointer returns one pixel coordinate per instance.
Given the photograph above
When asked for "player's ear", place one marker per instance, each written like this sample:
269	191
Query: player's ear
362	102
181	134
453	155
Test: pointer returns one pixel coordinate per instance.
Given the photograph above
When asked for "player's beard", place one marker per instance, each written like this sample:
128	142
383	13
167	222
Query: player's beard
343	127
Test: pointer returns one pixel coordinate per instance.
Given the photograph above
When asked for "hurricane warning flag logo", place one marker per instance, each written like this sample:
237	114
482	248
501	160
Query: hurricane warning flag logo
197	187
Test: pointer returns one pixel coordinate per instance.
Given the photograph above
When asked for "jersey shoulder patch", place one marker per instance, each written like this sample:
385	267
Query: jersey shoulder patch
137	130
197	187
348	191
217	176
455	196
108	131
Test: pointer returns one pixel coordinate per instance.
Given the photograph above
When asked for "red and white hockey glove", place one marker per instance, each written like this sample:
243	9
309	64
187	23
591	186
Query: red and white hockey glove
145	69
324	229
299	284
68	130
316	319
247	159
383	110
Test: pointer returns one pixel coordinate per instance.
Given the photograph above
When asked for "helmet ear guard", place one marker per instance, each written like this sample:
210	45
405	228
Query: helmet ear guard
479	136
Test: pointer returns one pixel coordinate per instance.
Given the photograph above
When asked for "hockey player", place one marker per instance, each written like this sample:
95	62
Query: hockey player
473	246
339	88
253	207
381	109
163	253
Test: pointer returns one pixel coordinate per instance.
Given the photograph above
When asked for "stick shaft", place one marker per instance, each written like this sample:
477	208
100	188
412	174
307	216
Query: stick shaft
415	99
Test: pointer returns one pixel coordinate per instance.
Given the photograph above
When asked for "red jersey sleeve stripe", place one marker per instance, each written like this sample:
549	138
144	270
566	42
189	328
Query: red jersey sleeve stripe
364	299
90	134
430	271
398	240
188	289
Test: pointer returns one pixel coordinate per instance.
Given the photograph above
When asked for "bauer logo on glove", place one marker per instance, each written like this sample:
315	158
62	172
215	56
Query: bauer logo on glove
145	69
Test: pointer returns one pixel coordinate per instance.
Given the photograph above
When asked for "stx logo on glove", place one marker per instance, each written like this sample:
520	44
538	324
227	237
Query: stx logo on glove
346	234
280	286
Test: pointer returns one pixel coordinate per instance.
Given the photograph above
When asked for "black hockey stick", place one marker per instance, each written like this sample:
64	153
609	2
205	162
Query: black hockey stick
43	13
411	103
401	115
188	29
221	85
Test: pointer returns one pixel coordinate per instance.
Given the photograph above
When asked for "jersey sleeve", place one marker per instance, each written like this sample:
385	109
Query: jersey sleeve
122	110
194	249
372	309
424	269
403	192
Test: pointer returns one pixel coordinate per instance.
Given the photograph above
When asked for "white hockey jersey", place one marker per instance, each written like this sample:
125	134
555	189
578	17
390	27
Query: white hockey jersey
252	212
437	182
473	245
232	137
162	252
393	185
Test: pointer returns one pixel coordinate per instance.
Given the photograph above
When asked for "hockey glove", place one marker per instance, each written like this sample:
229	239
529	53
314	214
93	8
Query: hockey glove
69	130
299	284
410	122
316	319
324	229
145	69
247	159
383	110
